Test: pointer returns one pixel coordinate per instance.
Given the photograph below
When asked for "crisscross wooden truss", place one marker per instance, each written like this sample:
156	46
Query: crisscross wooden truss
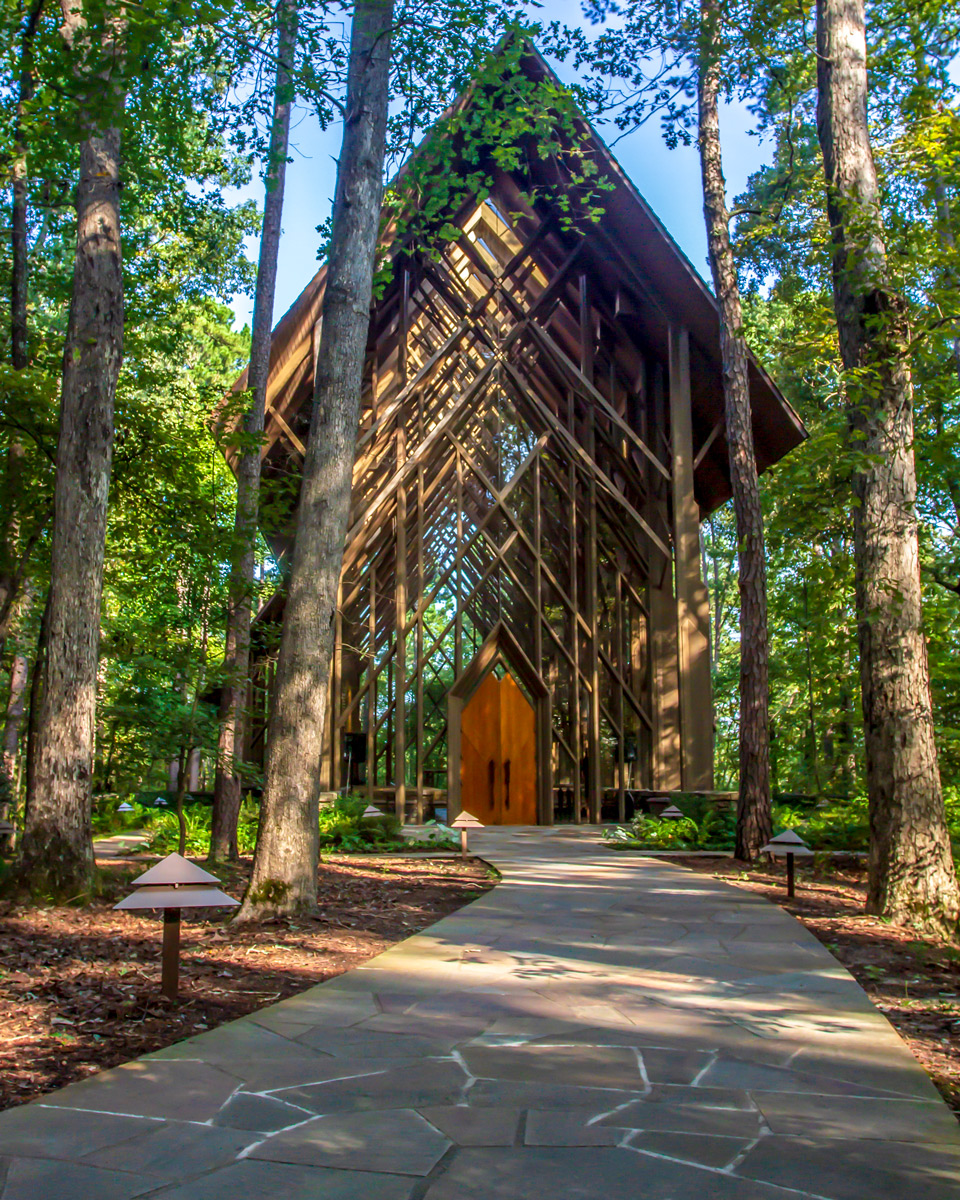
513	466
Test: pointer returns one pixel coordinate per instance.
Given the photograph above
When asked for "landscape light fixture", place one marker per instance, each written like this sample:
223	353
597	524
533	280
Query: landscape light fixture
369	813
789	844
464	822
173	884
671	813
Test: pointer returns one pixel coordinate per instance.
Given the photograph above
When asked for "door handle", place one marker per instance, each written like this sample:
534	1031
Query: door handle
506	784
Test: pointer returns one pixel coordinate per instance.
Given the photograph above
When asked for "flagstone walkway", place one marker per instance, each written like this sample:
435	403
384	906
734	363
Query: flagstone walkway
598	1027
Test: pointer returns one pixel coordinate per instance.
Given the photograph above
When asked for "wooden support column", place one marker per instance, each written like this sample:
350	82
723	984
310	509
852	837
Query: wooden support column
594	782
458	614
419	634
372	686
664	679
618	650
693	610
594	788
537	573
336	693
576	738
400	706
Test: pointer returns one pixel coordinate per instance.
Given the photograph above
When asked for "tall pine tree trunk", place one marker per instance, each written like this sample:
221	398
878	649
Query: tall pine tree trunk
284	876
912	876
11	570
226	788
753	806
57	853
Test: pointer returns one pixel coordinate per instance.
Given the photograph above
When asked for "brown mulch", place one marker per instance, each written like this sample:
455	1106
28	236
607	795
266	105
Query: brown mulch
914	982
79	986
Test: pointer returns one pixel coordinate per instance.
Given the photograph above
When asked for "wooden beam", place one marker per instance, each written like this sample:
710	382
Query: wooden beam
693	646
711	438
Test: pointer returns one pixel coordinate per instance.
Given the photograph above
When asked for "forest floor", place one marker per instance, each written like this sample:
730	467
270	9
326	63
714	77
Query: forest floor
915	983
80	986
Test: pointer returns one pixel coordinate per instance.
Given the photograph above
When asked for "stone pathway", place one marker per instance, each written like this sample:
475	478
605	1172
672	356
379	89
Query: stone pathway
598	1027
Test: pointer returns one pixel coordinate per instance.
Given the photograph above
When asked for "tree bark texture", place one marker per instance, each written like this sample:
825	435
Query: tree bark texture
226	788
16	706
284	875
57	853
33	719
753	806
912	876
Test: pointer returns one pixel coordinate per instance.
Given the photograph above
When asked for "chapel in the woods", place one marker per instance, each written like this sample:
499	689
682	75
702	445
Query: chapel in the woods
523	628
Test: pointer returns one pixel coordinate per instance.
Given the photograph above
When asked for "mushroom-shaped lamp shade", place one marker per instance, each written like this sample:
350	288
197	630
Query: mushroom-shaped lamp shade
466	821
176	883
173	884
788	842
197	895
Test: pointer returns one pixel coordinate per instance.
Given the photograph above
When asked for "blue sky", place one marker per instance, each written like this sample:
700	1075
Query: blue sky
668	179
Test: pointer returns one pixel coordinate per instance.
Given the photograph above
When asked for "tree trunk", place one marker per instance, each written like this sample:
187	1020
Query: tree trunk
912	876
11	577
753	806
226	788
33	720
57	853
284	876
16	706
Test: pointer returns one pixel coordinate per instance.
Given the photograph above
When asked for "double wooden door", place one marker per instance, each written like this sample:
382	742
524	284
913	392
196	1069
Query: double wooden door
498	754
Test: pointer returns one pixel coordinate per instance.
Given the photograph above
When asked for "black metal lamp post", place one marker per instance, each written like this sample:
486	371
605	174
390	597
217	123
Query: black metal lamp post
790	845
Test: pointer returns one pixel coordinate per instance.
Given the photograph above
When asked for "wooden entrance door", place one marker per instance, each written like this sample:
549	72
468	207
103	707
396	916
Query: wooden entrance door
498	754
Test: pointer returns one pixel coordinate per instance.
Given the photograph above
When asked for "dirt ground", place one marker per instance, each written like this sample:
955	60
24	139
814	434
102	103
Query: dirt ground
79	986
914	983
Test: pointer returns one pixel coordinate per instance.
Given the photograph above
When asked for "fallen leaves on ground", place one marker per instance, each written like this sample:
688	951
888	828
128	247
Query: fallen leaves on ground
80	986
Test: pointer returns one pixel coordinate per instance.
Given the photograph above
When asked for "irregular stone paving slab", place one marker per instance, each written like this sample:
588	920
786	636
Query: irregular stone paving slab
182	1090
263	1114
853	1117
44	1179
534	1173
596	1028
705	1149
40	1131
173	1150
399	1141
476	1126
867	1168
253	1180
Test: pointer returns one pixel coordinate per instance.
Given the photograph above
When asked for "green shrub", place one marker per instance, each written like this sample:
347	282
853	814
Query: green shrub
107	820
343	827
839	825
704	826
165	829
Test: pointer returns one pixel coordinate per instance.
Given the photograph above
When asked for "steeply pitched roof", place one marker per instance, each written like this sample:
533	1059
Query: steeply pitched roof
633	245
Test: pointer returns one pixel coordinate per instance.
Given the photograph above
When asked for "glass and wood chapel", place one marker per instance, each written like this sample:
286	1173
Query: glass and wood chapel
523	628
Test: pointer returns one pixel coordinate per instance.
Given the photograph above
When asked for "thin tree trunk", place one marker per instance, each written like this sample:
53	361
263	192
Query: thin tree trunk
11	577
11	740
57	853
33	720
284	875
226	788
753	805
16	706
912	876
